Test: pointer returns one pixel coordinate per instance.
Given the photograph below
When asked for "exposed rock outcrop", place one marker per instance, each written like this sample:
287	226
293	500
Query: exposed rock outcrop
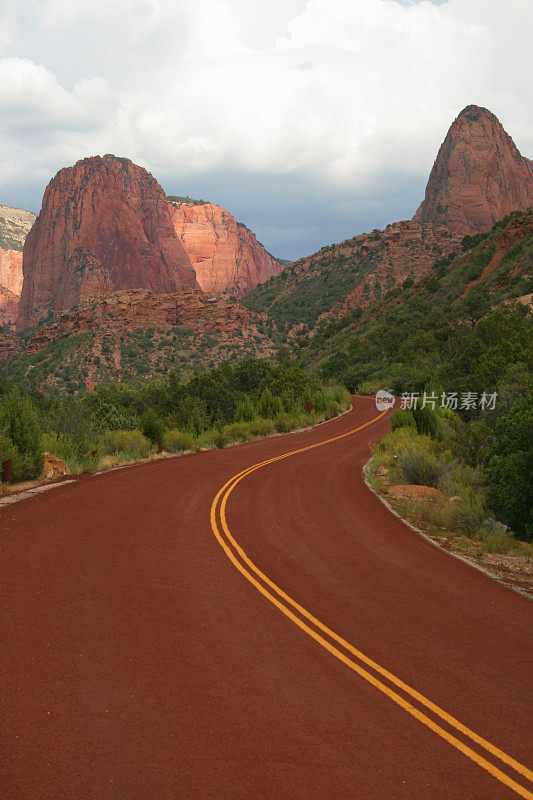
225	254
14	226
105	224
478	176
54	467
192	310
133	333
9	306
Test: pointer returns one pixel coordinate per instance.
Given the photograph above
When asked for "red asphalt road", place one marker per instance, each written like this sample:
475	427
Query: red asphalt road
137	663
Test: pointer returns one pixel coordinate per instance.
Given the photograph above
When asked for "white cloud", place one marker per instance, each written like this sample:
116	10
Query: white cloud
31	100
343	98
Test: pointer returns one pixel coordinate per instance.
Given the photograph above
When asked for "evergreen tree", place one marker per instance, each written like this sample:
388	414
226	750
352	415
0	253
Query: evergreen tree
20	424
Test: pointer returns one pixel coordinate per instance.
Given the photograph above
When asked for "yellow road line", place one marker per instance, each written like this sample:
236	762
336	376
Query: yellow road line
224	492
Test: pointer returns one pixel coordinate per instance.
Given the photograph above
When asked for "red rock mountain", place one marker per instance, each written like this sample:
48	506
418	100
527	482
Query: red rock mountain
14	226
224	253
478	176
105	224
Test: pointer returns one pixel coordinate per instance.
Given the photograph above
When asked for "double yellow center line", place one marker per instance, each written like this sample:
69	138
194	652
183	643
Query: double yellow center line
356	659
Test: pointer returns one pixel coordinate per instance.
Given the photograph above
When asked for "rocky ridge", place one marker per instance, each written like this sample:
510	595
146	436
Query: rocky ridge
134	333
355	272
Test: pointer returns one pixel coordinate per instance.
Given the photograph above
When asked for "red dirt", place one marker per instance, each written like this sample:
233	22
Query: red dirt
138	663
416	492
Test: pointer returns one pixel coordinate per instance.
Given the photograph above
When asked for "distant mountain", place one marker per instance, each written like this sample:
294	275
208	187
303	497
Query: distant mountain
15	224
105	224
225	254
478	176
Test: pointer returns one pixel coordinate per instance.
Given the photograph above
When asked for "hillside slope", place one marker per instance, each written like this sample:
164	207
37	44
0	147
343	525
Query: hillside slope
132	333
431	329
354	272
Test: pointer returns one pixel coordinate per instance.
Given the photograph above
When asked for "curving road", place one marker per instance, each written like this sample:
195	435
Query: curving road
193	628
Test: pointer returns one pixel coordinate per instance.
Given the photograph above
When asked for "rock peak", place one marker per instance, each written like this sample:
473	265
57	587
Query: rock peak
478	177
105	224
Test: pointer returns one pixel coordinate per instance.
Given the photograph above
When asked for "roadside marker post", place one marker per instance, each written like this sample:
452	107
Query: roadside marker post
7	471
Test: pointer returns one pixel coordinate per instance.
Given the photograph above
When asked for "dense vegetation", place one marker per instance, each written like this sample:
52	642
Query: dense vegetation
458	508
317	293
441	326
122	421
190	201
105	354
458	334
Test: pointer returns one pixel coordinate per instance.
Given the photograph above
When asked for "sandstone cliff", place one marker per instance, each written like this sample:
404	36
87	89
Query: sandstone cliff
478	176
226	255
14	226
10	285
105	224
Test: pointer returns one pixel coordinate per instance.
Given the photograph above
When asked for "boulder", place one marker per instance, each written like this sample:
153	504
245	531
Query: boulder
54	467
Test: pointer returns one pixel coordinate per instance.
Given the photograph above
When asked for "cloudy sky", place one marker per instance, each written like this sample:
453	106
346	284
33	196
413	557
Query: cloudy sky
310	120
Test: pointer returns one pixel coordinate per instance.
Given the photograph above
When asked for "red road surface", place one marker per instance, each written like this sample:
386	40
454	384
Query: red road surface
137	663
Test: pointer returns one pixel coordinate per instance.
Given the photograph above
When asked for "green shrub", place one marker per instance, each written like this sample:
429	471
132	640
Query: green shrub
19	420
510	467
402	419
261	427
460	477
60	444
76	455
333	410
152	426
497	542
239	431
428	422
131	442
320	402
244	411
111	419
176	441
8	450
269	406
471	513
220	439
419	467
212	438
370	387
284	423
